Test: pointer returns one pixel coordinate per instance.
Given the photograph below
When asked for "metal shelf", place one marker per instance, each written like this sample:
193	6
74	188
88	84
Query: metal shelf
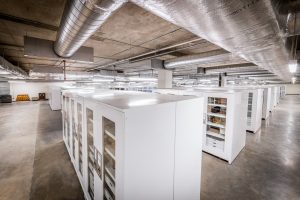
107	132
215	125
220	105
110	152
217	135
217	115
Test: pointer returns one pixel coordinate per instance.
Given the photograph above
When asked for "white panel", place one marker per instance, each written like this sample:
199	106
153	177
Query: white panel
4	88
149	151
266	103
188	151
238	137
258	109
55	98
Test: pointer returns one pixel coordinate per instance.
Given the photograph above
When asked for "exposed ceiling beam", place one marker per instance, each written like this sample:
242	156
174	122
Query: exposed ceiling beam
29	22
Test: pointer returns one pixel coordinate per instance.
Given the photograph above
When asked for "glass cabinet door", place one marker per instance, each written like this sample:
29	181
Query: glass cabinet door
109	158
79	135
249	112
74	135
68	121
90	150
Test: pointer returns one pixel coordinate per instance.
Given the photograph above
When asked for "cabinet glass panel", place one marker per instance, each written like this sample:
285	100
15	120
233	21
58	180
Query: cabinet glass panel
79	135
64	116
73	127
90	151
217	100
249	113
68	120
109	146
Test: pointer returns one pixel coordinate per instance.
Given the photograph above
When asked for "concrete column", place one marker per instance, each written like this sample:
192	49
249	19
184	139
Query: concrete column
222	80
165	78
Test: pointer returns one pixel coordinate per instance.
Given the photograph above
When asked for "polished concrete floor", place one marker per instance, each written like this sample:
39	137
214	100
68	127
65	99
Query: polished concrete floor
268	168
34	163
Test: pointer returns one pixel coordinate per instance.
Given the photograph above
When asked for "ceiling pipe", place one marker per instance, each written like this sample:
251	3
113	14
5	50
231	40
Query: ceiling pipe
249	29
81	19
258	75
248	73
155	52
233	67
11	69
203	58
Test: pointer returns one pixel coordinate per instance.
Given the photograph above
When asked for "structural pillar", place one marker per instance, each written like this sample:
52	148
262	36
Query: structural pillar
222	80
165	78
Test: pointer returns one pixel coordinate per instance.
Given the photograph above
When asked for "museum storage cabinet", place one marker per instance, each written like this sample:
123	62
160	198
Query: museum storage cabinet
224	133
254	111
135	145
225	121
266	107
282	91
55	98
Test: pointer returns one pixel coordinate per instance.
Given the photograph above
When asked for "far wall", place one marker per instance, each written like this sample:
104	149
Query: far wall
293	89
32	88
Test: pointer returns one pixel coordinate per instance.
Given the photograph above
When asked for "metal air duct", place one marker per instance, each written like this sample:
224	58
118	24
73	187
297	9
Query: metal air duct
203	58
11	69
248	28
81	19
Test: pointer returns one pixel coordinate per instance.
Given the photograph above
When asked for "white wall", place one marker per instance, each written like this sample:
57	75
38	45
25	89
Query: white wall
4	88
32	88
293	89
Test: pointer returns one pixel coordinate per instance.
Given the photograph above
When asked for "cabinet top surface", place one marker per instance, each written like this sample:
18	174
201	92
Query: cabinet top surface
129	99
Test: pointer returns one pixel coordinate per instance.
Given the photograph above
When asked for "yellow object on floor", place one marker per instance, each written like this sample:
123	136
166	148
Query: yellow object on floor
23	97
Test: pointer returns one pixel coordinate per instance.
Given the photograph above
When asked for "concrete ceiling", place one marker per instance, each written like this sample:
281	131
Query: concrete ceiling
131	31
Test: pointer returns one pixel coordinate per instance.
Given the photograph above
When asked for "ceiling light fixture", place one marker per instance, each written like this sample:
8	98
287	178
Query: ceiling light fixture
293	66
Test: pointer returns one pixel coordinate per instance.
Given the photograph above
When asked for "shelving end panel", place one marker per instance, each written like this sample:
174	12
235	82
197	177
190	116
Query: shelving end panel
188	149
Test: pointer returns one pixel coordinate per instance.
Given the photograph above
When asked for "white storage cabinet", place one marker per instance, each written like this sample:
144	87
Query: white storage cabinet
255	107
73	129
282	91
266	107
225	133
275	96
225	119
141	146
55	98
